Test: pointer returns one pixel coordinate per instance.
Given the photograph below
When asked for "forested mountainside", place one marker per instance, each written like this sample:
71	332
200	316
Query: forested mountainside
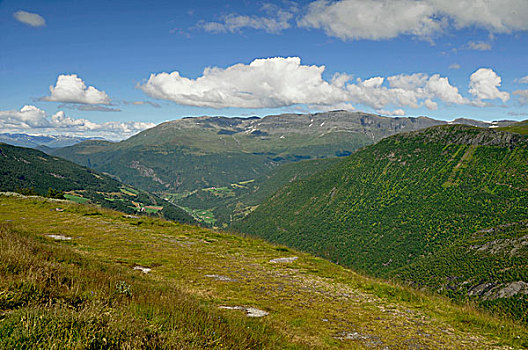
32	171
411	202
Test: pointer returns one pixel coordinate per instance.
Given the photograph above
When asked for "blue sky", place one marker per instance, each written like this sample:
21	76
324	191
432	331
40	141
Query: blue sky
471	57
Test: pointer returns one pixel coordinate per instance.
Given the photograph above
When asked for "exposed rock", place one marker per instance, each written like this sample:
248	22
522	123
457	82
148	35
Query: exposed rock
221	278
509	246
250	311
480	289
507	290
59	237
283	260
142	269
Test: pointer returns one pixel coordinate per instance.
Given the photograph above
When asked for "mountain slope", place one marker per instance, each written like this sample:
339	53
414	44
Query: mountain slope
29	169
74	278
402	199
234	202
189	155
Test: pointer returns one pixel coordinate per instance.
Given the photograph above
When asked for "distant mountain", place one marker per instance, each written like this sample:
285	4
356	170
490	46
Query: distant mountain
42	142
418	206
180	157
29	170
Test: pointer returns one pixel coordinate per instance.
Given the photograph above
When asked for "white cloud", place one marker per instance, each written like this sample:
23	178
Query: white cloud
72	89
523	96
383	19
396	112
455	66
276	21
523	80
372	19
32	119
484	83
286	82
31	19
503	16
478	45
441	88
264	83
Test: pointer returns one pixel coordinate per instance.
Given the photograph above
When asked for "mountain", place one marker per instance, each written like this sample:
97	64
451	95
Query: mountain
405	200
29	170
89	278
181	157
41	142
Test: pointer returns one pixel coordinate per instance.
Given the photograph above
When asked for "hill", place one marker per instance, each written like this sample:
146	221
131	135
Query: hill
91	278
189	155
25	169
404	201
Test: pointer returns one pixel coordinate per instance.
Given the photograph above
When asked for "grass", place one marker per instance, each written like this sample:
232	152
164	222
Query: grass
76	199
83	292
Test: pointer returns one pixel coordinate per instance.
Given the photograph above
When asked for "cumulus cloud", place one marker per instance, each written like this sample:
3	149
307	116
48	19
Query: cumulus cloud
72	89
31	19
478	45
33	119
264	83
286	82
383	19
455	66
484	84
523	96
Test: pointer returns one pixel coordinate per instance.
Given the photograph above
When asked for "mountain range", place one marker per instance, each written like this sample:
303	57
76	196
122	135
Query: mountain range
180	158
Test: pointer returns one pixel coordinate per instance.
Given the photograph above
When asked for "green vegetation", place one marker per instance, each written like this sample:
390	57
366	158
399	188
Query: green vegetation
192	154
32	172
82	292
53	297
227	204
408	203
78	199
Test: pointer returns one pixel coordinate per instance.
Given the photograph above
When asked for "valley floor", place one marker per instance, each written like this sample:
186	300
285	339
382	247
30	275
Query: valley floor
299	301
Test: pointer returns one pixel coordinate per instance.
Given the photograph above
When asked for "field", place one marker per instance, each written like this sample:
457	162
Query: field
79	288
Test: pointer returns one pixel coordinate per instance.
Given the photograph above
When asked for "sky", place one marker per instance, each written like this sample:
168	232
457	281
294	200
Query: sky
114	68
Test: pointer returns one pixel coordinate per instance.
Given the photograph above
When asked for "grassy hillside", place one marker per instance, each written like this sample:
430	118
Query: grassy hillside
403	200
24	169
67	280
